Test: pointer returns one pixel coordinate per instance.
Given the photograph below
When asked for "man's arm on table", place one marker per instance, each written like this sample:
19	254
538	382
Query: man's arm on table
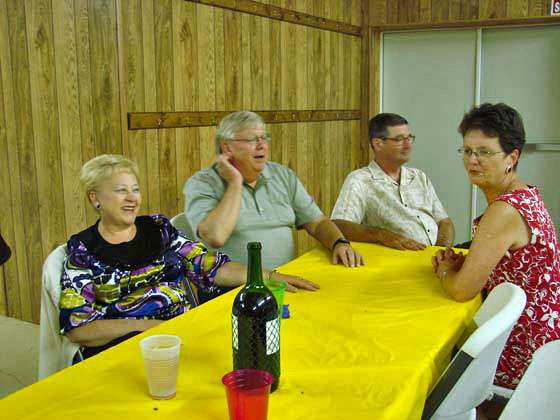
350	209
361	233
327	233
446	233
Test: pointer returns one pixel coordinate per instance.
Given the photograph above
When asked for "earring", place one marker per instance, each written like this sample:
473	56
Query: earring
98	206
508	169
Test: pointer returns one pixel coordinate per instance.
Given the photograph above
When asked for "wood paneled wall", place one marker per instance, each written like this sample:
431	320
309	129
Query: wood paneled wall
72	69
424	11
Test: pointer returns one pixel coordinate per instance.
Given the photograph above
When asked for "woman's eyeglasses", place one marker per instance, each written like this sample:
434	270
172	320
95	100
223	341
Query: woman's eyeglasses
467	152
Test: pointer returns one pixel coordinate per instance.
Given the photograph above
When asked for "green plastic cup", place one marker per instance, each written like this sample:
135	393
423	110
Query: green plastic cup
277	288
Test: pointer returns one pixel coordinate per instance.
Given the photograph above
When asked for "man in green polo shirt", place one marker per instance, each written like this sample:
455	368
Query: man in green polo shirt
243	197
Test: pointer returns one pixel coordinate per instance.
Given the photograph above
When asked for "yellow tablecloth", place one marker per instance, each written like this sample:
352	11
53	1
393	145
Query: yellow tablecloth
368	345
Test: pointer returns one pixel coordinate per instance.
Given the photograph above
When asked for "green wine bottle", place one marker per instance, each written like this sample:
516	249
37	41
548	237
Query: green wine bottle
255	323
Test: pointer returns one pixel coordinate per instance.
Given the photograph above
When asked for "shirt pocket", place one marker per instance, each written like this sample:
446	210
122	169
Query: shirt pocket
379	210
282	210
419	200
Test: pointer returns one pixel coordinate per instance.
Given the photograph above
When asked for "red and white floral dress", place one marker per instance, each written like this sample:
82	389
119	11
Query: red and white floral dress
536	269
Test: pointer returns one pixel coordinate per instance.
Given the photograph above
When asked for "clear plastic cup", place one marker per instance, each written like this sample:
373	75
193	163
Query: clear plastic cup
161	363
277	288
247	393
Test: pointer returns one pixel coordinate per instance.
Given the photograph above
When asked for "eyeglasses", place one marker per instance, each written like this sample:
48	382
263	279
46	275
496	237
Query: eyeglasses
253	142
480	154
400	139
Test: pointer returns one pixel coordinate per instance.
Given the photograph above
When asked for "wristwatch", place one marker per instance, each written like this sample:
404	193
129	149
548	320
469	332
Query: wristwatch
340	241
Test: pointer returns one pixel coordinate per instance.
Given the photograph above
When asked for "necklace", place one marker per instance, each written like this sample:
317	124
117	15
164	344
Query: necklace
114	237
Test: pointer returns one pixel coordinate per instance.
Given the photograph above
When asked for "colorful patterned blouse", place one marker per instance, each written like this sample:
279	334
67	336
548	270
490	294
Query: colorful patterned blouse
536	269
96	286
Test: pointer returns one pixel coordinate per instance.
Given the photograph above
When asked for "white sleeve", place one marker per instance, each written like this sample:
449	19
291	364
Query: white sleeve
351	202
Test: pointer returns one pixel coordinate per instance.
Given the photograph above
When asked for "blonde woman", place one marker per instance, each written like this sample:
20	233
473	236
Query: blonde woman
127	273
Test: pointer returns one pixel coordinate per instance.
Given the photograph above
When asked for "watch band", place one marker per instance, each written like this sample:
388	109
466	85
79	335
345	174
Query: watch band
340	241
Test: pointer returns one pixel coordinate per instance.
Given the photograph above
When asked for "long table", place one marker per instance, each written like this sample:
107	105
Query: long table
369	345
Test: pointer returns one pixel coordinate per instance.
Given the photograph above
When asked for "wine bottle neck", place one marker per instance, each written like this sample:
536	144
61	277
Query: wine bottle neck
254	269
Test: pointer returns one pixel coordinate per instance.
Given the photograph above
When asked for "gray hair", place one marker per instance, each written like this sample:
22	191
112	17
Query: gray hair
234	122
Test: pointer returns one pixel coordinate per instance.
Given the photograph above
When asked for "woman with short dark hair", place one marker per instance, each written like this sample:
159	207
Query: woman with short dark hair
514	240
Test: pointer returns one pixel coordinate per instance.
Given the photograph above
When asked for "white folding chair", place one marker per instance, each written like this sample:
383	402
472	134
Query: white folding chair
181	223
55	350
536	395
501	393
468	379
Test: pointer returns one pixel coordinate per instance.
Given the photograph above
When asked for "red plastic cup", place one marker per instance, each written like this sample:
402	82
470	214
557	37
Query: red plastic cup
247	393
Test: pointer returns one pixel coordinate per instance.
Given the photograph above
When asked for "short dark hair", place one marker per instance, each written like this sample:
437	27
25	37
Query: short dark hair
499	120
378	124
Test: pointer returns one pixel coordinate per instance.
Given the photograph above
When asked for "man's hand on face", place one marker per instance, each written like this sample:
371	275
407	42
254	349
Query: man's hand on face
227	168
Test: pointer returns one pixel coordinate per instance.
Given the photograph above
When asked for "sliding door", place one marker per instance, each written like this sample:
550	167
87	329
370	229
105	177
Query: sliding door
430	78
521	67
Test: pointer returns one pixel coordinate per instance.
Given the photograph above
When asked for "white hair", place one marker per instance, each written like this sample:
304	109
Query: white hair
234	122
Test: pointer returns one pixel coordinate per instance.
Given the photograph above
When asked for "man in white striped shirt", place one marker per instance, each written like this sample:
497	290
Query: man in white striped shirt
388	203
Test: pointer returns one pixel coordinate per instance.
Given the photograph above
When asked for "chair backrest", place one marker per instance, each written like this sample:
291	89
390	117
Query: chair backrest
55	350
467	380
181	223
536	395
